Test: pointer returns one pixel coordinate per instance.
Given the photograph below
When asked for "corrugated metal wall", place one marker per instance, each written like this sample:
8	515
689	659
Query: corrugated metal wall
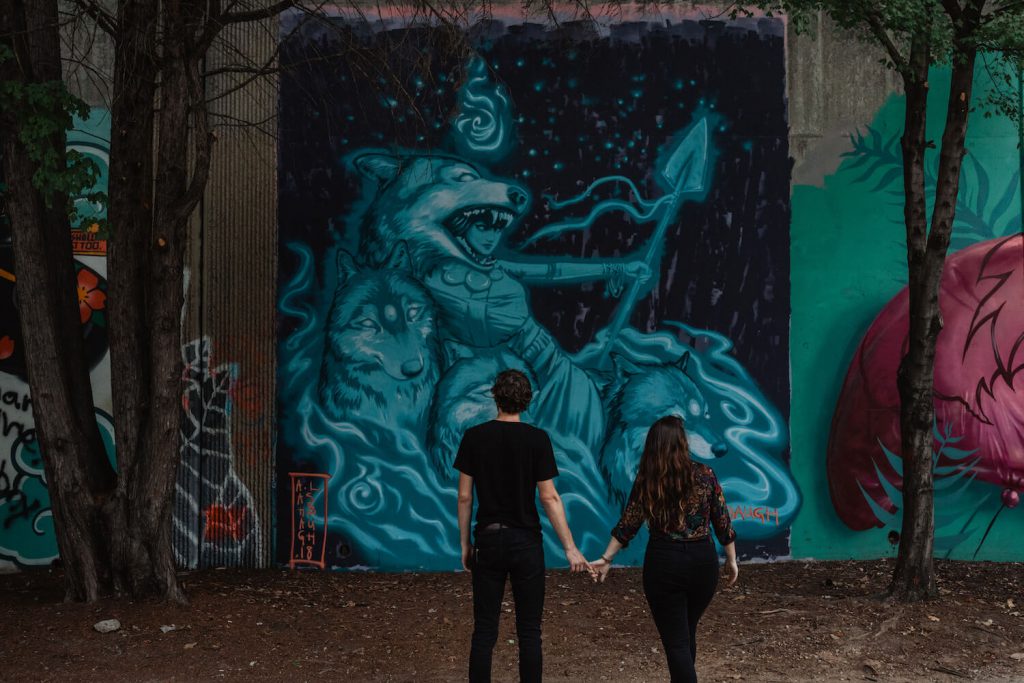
227	449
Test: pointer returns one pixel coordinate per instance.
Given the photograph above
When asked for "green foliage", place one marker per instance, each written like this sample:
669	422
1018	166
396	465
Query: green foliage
998	35
892	24
42	113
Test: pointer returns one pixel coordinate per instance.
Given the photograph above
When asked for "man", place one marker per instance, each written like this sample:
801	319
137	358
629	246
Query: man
508	461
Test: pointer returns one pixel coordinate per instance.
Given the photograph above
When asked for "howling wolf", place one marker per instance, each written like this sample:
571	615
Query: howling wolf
646	394
381	354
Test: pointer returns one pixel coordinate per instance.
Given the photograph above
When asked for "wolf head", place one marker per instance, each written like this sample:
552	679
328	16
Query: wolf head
429	202
643	394
380	346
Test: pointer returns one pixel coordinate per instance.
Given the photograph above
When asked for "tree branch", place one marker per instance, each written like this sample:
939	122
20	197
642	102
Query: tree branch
883	37
953	9
102	17
255	15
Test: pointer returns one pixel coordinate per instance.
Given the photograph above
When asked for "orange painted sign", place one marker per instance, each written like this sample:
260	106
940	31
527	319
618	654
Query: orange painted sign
309	519
765	515
86	243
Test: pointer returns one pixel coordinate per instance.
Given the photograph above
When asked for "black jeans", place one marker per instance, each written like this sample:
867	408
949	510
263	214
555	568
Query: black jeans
679	581
515	553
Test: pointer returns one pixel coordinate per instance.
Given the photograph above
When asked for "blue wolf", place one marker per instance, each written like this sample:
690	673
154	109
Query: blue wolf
644	394
381	353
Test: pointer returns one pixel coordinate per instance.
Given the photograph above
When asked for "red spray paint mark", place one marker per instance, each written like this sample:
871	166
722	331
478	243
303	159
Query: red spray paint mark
223	523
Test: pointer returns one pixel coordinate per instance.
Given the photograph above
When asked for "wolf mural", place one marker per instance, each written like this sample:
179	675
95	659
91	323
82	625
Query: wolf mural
393	329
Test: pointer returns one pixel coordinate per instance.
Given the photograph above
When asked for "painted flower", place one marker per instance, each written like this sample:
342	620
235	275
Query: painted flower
90	296
6	347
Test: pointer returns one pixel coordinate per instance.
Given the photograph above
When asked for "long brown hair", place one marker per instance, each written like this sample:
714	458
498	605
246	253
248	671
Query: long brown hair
664	479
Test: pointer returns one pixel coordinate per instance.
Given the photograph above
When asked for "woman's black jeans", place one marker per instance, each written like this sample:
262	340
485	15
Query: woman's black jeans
680	578
518	554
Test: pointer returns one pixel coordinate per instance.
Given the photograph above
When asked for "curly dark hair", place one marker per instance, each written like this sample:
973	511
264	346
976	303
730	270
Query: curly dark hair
512	391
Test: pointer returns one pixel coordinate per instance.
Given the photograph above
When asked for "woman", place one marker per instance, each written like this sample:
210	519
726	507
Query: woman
681	501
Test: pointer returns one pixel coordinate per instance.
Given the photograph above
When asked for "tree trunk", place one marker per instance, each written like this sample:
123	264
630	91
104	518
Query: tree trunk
148	261
147	450
914	575
78	475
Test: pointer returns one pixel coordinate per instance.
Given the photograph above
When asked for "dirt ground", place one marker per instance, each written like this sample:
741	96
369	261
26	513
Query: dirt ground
790	621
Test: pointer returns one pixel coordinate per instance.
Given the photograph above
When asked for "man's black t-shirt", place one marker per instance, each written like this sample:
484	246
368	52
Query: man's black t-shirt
506	460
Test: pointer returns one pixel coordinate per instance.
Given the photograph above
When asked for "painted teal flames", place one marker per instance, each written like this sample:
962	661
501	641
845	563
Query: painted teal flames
482	128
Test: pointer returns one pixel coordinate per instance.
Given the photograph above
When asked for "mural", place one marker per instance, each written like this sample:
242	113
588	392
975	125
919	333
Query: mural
979	417
624	243
215	519
26	524
979	414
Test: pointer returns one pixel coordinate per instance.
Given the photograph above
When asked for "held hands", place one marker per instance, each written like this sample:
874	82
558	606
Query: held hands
732	571
600	570
578	563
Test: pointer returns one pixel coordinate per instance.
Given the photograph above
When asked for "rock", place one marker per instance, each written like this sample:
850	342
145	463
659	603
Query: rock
168	629
107	625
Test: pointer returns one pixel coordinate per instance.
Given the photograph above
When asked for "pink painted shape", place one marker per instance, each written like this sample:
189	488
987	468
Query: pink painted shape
979	357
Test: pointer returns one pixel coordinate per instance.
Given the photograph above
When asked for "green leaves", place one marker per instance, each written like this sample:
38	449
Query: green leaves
42	113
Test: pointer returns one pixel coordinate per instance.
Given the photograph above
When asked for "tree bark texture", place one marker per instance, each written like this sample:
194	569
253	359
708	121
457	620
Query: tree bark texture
140	512
154	188
78	475
914	574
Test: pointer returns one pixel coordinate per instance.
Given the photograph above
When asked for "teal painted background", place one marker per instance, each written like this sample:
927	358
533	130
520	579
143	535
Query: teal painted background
848	261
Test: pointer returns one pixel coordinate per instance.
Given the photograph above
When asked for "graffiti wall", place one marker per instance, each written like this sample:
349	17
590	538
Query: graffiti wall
26	524
214	517
448	213
850	326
